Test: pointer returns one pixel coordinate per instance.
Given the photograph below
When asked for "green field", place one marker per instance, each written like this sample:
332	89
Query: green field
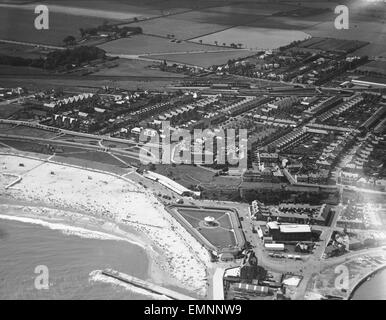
86	163
221	236
193	24
144	44
186	175
205	59
18	25
25	131
254	38
135	68
6	110
27	52
254	24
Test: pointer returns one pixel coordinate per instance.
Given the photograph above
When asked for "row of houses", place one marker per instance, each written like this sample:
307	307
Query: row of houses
334	112
69	101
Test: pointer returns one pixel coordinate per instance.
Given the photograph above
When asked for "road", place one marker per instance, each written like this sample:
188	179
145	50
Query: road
112	151
30	44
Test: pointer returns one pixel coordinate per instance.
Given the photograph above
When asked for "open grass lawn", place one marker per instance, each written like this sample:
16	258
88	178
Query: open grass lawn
221	236
206	59
95	156
28	146
185	174
135	68
12	70
26	52
7	110
85	163
26	131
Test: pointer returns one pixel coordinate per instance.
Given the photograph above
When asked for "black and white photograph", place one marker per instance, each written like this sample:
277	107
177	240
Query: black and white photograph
206	152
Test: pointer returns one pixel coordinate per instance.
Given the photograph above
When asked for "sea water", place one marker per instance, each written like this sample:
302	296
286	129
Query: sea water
73	260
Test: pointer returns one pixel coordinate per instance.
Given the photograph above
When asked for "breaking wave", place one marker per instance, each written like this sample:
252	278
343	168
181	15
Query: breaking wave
69	230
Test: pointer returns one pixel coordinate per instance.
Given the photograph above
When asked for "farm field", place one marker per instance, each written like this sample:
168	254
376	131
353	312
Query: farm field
13	70
255	38
26	52
143	8
182	29
86	9
374	66
263	8
332	44
144	44
18	25
134	68
194	23
205	59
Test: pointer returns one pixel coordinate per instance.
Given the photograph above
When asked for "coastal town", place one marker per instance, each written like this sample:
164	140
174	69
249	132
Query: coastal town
244	171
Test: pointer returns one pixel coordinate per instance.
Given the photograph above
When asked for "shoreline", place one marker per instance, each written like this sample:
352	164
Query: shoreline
363	280
86	229
74	192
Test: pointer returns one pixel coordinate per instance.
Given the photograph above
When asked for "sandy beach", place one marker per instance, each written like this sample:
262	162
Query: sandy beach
109	204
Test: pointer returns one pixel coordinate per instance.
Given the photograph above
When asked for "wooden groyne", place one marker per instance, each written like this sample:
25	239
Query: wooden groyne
145	285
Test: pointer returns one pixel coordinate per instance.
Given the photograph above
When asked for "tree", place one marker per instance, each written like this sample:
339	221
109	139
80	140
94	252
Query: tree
69	40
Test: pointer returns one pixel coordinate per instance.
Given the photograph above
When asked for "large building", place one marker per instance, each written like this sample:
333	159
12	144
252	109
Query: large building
289	232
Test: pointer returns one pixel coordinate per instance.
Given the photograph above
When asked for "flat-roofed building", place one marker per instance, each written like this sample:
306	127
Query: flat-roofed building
289	232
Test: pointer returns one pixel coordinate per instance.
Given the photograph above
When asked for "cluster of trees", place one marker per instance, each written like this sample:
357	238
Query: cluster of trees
20	62
73	57
58	58
119	32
